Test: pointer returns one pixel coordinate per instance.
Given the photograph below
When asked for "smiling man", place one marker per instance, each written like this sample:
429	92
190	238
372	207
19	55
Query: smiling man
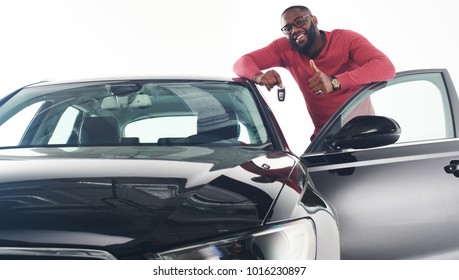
329	66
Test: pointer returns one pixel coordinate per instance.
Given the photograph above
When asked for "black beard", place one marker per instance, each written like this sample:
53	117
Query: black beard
311	34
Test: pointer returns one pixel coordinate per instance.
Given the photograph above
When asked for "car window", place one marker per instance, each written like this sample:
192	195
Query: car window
419	103
150	130
14	128
136	112
421	108
65	127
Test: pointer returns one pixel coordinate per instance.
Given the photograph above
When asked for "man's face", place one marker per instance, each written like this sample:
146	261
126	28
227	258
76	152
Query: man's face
299	28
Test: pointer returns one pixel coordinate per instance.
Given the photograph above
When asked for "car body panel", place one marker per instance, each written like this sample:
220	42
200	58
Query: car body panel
392	207
133	200
396	201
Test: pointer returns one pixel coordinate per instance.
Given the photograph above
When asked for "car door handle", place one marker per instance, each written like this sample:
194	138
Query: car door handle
453	168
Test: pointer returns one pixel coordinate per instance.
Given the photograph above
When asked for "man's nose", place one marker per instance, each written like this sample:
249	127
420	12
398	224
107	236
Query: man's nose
294	29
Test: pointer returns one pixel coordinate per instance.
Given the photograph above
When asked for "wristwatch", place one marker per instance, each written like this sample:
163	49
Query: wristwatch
335	83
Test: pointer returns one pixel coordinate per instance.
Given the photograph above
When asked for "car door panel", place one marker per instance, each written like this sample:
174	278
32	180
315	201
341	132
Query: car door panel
402	206
399	201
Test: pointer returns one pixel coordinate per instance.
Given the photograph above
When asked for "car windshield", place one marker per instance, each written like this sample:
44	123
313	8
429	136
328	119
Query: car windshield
135	112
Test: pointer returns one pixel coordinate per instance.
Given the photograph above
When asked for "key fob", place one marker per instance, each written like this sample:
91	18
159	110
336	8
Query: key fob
281	94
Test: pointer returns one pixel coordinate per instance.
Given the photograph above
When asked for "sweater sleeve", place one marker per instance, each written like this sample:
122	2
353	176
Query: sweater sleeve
254	62
373	64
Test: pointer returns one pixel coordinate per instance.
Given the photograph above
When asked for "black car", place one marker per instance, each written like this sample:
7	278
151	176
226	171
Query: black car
401	200
199	169
154	168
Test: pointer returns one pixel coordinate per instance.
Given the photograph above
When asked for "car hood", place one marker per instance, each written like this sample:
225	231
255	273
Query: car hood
133	200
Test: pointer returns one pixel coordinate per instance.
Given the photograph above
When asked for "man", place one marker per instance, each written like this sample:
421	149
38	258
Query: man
329	66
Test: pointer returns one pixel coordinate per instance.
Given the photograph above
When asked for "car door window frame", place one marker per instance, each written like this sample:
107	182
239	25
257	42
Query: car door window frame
449	96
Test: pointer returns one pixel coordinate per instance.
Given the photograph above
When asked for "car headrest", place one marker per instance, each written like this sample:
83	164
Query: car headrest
224	126
99	131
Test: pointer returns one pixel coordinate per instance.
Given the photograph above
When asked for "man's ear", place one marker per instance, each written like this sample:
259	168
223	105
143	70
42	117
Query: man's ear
315	20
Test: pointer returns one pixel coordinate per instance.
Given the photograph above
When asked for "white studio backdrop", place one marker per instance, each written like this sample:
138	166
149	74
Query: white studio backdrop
61	39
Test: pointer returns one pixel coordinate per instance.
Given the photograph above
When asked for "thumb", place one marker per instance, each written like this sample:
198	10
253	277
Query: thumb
313	66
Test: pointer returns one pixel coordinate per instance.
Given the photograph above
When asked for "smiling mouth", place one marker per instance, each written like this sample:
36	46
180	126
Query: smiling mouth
299	38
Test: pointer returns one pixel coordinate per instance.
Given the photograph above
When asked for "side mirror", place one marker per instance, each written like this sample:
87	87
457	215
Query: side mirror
365	132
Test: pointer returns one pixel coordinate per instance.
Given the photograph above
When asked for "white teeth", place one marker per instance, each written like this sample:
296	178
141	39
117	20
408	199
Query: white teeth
301	35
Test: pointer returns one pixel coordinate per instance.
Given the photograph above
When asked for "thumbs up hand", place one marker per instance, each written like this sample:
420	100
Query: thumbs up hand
320	83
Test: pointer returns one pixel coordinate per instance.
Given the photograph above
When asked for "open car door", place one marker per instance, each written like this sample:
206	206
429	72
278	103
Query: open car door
388	162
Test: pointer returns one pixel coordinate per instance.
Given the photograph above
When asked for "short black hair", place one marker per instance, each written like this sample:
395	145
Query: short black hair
303	8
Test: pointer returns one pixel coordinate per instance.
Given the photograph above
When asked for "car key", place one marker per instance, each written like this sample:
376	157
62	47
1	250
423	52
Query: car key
281	94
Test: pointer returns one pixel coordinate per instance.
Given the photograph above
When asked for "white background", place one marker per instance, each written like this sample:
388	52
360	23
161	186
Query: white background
61	39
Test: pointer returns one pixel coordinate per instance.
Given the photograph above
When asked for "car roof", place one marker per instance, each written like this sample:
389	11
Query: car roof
133	78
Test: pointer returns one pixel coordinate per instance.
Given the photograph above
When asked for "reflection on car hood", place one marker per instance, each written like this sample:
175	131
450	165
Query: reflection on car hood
148	198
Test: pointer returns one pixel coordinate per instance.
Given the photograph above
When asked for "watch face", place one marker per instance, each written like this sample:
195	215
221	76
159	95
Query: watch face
335	83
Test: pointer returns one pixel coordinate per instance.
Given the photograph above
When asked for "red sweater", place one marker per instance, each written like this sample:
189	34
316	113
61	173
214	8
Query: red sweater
347	55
